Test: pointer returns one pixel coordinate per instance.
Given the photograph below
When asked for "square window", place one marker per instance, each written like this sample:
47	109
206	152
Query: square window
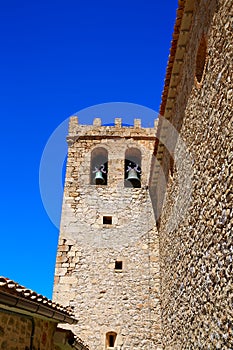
107	220
118	265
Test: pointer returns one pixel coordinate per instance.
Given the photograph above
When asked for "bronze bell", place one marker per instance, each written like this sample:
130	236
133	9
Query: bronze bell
133	178
99	180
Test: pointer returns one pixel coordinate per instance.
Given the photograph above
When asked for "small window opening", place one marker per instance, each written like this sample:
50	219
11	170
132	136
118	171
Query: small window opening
201	61
110	340
107	220
172	166
118	265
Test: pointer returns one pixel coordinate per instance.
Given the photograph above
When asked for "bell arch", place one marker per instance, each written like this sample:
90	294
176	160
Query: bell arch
99	166
133	159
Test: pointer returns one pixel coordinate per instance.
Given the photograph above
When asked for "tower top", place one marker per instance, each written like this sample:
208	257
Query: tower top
116	129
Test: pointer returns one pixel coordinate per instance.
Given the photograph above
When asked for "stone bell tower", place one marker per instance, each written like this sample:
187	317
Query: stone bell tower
107	266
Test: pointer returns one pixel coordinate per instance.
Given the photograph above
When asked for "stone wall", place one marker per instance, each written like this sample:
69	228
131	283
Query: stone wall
105	298
196	252
22	332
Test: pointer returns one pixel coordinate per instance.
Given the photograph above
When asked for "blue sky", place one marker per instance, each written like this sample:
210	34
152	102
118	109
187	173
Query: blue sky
57	58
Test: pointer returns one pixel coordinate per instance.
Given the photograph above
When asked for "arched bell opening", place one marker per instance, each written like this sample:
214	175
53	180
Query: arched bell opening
111	340
133	168
99	166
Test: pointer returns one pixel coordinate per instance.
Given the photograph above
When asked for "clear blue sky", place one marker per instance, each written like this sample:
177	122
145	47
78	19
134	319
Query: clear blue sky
58	57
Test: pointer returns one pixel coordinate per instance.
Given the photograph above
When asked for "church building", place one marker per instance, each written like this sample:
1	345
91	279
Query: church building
145	249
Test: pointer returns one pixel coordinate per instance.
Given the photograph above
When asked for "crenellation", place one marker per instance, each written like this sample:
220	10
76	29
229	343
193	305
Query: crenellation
137	123
99	131
73	125
118	122
97	122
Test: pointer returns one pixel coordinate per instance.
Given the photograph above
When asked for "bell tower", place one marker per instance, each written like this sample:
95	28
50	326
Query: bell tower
107	266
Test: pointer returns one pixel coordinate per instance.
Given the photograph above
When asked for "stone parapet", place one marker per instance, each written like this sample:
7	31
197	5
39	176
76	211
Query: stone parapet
117	130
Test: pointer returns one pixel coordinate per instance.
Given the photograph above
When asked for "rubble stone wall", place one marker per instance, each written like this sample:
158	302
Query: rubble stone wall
21	332
196	252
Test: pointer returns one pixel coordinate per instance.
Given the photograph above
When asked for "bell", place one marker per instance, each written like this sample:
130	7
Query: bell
99	180
133	178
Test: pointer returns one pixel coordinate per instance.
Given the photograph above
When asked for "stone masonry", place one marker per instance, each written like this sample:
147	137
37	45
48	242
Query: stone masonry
174	290
23	332
108	272
196	252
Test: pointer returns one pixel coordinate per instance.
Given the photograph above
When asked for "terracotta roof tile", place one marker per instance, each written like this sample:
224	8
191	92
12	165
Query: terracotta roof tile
13	288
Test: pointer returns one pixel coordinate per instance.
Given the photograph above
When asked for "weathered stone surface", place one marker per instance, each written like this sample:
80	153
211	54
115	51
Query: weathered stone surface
196	254
19	331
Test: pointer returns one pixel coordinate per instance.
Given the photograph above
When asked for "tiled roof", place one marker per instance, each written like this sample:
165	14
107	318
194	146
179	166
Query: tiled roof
79	344
64	336
14	295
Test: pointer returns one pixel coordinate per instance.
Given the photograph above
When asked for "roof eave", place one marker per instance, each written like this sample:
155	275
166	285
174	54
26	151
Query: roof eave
34	308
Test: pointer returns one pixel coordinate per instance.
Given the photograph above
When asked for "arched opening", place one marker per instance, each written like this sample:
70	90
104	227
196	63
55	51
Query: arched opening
99	166
201	61
110	340
133	168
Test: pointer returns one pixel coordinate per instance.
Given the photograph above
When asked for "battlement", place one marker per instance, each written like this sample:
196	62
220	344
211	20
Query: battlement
116	129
